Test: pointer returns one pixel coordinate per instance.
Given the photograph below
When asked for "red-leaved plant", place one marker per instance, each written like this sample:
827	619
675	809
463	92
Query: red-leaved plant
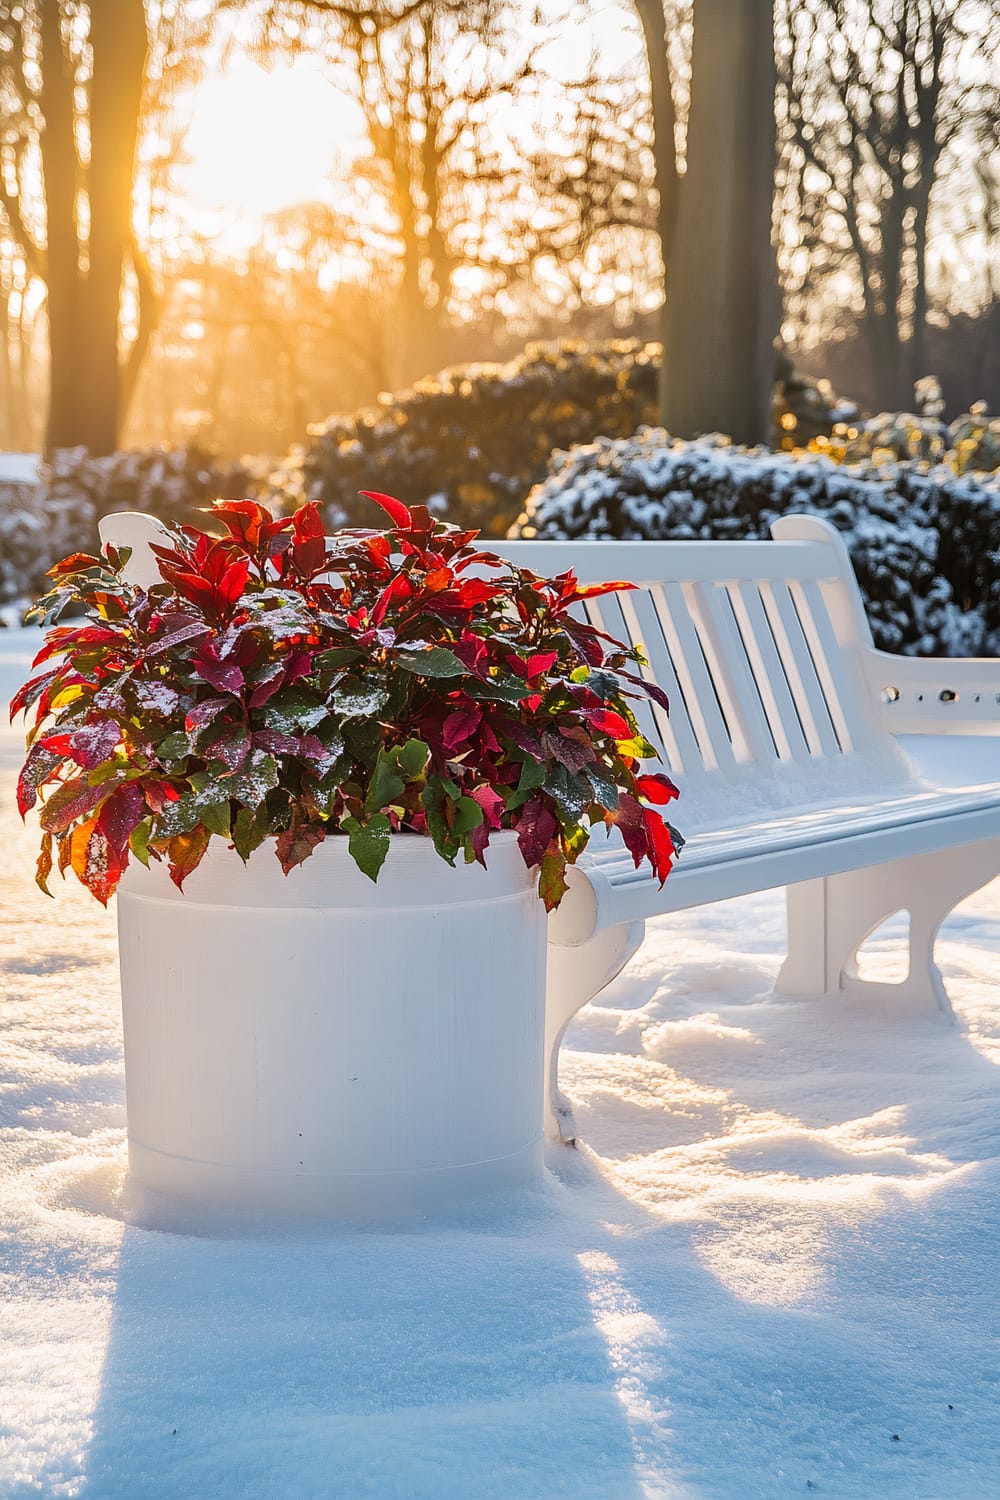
279	682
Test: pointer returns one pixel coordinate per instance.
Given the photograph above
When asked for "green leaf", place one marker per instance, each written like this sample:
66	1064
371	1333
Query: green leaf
249	831
572	794
638	748
337	656
251	785
217	818
468	815
433	798
368	843
603	684
605	790
436	662
138	841
532	775
413	758
552	880
293	708
359	700
502	689
180	816
173	747
387	785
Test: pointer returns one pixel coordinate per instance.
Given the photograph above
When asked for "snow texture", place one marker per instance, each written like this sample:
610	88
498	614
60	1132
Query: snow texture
770	1271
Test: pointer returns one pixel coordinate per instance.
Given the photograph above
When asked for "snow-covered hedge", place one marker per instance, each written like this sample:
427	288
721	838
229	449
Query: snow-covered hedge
471	441
925	542
41	522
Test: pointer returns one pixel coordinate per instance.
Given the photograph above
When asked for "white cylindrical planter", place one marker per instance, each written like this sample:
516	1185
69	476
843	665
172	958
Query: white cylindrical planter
316	1044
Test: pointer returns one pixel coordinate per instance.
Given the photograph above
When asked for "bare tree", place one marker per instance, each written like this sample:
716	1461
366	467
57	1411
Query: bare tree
880	103
721	309
74	77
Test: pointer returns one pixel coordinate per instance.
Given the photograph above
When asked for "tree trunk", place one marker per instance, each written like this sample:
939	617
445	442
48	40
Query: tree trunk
664	122
721	310
66	425
119	44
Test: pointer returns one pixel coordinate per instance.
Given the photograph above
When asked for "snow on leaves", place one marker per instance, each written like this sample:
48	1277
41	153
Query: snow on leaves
281	684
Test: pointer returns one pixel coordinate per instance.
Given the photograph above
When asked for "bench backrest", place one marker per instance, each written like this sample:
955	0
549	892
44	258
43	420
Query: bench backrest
761	646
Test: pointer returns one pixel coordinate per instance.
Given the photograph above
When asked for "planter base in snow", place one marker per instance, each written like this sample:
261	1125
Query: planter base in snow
319	1045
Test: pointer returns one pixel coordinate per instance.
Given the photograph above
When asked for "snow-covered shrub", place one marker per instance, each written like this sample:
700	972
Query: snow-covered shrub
174	484
43	521
34	531
470	442
925	544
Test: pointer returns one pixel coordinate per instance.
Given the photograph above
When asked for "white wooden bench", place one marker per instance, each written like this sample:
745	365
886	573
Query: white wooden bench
806	758
786	733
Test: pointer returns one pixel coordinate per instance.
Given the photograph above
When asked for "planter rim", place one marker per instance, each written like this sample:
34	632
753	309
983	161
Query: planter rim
413	875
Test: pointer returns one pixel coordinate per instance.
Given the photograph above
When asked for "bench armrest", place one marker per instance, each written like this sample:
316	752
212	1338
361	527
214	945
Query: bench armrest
936	695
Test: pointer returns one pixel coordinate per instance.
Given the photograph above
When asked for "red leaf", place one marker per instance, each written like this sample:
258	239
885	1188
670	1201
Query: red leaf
78	563
203	713
32	690
91	745
175	637
592	591
656	788
630	819
537	826
400	588
233	582
661	845
492	805
65	638
37	768
224	675
59	744
268	683
158	794
542	661
69	802
119	816
309	540
606	721
458	726
232	749
296	844
397	512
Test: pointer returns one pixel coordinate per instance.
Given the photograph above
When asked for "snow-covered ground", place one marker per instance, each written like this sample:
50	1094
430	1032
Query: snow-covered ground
770	1271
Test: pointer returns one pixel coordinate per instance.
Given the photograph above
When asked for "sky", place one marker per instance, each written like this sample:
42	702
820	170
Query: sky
260	140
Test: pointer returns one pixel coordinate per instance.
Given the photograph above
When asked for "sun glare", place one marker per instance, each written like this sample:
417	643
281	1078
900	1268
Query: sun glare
260	140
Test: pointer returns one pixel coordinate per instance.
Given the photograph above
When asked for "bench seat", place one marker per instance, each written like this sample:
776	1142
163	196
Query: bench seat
719	863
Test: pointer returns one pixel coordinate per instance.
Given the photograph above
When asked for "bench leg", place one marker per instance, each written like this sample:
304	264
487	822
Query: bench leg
830	918
576	975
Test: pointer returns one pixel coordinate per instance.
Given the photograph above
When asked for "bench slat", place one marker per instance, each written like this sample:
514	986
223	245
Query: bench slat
609	614
769	674
799	669
699	690
843	704
675	731
730	668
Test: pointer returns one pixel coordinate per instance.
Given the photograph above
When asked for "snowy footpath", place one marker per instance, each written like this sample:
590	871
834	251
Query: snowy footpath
769	1271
